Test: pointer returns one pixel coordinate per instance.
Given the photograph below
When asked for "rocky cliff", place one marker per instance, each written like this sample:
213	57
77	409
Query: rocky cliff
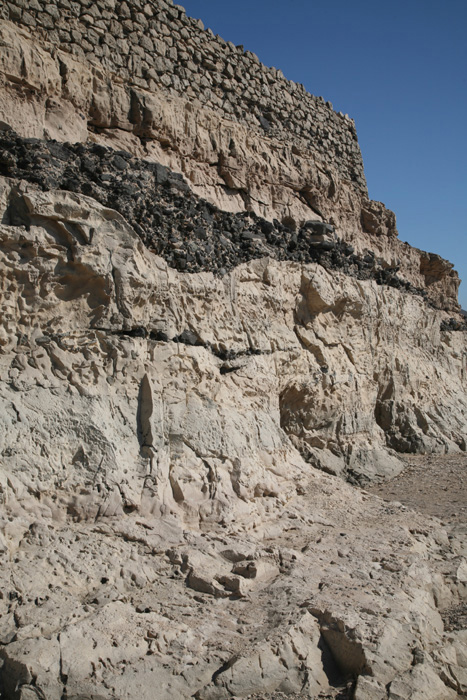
207	331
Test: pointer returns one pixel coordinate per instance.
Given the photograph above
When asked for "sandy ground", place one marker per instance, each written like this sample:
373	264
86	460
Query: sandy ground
432	484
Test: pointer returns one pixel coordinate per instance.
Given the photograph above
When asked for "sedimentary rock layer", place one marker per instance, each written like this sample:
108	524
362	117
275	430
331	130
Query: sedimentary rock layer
159	525
190	233
199	306
354	383
155	46
48	93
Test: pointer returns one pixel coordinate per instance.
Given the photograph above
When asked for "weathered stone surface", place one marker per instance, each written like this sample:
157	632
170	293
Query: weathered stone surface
226	162
172	370
191	234
345	375
156	514
175	69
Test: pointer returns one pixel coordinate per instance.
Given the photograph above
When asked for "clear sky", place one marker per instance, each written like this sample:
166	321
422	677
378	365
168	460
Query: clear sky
400	70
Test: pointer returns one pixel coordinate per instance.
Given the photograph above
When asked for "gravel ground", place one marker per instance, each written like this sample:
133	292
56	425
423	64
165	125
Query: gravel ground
344	693
435	485
432	484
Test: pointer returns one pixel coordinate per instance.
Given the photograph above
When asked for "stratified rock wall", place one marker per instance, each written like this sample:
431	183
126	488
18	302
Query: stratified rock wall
350	363
159	524
154	45
199	306
49	93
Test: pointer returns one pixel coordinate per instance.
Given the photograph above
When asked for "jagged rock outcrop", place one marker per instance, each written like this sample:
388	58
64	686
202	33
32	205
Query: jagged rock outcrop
346	371
191	234
150	419
48	93
187	387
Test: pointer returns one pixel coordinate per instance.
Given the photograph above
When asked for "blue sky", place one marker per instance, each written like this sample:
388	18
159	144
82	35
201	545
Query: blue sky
400	70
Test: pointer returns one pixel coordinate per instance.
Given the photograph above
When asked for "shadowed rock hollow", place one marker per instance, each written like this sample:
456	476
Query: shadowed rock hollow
207	331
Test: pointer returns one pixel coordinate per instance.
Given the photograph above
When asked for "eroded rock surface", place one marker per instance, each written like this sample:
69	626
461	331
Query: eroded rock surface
48	93
191	388
157	515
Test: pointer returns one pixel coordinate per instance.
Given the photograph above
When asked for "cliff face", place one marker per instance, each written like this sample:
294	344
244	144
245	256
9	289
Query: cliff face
299	171
174	369
159	524
363	348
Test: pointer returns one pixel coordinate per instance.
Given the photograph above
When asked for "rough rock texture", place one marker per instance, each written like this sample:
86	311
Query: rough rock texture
151	481
48	93
341	389
191	234
174	370
155	46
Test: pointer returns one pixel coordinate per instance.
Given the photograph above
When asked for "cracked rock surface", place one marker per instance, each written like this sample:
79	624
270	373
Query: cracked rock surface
47	93
191	234
215	414
162	520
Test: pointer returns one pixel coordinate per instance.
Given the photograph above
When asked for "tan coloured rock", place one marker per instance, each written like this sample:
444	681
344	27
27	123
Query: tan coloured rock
341	380
420	683
156	513
163	530
47	93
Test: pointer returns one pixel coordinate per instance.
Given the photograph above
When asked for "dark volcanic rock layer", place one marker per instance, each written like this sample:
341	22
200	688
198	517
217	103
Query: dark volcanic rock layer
191	234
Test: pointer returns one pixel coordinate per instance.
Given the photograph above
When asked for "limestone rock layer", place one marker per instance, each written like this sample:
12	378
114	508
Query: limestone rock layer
210	341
